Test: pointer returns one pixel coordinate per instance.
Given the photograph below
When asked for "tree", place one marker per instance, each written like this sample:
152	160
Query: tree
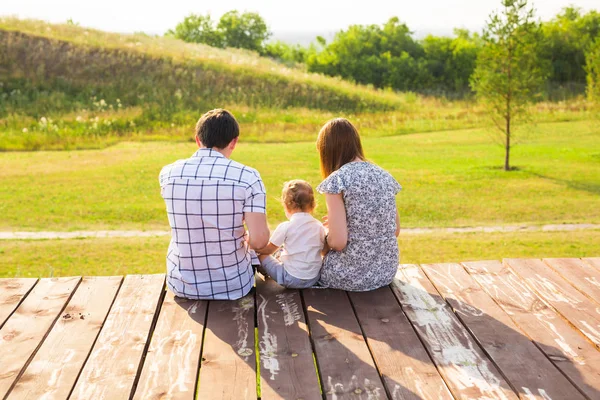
508	75
566	40
198	29
244	31
593	73
371	54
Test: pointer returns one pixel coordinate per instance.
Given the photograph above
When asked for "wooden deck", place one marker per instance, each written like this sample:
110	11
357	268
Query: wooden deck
526	329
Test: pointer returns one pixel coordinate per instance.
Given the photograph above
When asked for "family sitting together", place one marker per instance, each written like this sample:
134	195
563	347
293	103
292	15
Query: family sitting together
217	213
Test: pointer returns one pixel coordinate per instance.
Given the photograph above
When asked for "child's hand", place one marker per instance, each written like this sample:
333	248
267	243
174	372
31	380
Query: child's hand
325	220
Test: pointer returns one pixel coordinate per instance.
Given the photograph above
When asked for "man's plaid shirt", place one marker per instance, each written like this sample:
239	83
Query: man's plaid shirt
206	198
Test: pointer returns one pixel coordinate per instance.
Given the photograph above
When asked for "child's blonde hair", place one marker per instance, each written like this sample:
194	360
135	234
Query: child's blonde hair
298	195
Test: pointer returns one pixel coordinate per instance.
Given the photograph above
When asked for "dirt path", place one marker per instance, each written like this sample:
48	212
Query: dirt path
405	231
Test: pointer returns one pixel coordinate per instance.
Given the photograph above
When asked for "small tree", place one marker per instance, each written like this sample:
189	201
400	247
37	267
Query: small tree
245	31
508	74
198	29
593	73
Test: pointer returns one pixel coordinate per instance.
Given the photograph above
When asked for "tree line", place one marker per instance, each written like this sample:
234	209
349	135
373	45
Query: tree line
389	56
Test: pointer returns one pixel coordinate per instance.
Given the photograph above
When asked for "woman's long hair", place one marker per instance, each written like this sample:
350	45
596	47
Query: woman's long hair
338	143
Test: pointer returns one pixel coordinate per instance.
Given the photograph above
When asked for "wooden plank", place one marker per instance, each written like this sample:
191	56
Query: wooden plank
54	369
287	368
228	368
527	369
579	274
407	370
593	261
26	329
113	364
565	347
173	358
464	366
567	300
343	358
12	292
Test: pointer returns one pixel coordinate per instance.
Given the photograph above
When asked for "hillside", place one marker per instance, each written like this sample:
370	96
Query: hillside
76	62
69	87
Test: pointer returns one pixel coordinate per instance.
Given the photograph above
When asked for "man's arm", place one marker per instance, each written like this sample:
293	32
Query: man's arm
258	230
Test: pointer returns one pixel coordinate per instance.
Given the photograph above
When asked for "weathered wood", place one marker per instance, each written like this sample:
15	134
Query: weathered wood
522	363
579	274
565	347
567	300
113	364
173	358
228	369
593	261
26	329
54	369
464	366
12	292
344	361
287	367
403	362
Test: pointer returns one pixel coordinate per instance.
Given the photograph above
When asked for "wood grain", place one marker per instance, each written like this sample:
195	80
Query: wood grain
593	261
567	300
344	361
113	364
522	363
464	366
579	274
564	346
173	358
54	369
228	368
407	370
287	369
12	292
26	329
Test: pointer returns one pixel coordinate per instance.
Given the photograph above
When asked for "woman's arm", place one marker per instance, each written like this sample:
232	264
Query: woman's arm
337	237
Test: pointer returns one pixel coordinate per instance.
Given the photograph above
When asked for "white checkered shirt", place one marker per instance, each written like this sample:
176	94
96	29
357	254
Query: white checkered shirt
206	198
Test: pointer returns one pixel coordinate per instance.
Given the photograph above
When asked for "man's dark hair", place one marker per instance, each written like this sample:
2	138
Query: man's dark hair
217	128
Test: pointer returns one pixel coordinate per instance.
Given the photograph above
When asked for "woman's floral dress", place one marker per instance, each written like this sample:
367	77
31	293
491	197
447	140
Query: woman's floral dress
370	259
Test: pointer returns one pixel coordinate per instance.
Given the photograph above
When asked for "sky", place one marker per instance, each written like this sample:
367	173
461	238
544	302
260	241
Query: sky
304	18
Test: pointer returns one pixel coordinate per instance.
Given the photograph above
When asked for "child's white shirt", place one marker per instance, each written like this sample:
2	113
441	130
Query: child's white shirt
302	238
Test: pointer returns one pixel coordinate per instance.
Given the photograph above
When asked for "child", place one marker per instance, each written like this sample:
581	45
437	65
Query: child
302	238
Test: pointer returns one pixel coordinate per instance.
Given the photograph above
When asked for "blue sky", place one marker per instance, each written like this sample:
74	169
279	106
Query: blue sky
306	17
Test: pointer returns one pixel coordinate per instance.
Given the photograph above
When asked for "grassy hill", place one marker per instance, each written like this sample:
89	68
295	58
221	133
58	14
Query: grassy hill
69	87
78	61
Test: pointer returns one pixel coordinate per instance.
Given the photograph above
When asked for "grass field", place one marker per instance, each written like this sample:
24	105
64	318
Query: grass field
147	255
450	178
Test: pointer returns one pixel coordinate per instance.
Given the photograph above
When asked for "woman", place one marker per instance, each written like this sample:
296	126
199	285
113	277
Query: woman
362	218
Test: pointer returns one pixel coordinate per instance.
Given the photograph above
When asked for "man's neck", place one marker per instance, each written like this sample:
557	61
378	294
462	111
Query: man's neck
226	153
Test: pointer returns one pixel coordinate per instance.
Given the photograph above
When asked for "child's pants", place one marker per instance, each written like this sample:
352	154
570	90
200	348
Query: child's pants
274	268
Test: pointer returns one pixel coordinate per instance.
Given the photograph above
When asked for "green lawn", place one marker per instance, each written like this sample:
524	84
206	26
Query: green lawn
43	258
450	178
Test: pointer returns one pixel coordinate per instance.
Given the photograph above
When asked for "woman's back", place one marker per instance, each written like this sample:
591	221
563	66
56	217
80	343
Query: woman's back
370	258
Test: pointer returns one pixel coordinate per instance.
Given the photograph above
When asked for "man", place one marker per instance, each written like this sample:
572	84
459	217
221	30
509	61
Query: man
209	198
